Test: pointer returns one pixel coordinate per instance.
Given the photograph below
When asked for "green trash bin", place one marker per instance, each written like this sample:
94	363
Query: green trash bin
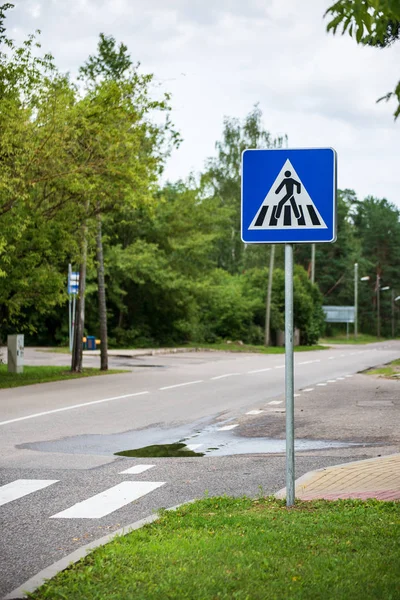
90	342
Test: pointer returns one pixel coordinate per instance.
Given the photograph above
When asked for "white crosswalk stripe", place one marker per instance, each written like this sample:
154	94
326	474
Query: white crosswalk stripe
22	487
108	501
136	469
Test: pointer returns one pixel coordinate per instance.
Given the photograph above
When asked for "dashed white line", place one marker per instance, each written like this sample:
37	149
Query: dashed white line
331	357
279	367
309	362
136	469
296	395
225	375
83	404
260	370
348	375
308	389
331	381
322	384
228	427
193	446
276	402
254	412
340	378
170	387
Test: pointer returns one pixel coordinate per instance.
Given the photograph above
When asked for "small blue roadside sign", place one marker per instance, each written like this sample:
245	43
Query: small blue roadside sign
73	283
289	196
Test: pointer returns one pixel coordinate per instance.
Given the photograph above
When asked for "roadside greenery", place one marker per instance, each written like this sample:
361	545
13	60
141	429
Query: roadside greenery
160	264
362	338
390	371
33	375
241	548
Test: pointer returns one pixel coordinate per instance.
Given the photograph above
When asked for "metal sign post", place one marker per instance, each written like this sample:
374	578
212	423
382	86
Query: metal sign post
289	375
289	196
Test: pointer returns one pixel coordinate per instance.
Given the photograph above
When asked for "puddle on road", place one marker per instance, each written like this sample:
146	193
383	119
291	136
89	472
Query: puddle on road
206	440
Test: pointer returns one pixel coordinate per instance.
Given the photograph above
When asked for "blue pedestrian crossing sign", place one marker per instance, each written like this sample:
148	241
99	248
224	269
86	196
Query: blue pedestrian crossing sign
289	196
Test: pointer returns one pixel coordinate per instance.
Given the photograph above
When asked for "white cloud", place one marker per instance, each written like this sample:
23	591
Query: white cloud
219	57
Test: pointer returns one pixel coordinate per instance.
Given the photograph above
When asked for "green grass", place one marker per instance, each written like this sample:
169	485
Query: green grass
45	374
362	338
56	349
169	450
242	549
391	371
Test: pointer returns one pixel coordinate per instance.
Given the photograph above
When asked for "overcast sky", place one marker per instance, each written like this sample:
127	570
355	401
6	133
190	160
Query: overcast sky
220	57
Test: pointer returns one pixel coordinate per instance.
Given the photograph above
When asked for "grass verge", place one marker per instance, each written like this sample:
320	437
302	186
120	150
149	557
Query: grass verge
390	371
362	338
33	375
242	549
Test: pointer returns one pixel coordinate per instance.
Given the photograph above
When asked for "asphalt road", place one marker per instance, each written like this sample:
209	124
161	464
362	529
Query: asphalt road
60	439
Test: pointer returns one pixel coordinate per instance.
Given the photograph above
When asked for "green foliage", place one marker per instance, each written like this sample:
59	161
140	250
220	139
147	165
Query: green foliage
221	179
370	22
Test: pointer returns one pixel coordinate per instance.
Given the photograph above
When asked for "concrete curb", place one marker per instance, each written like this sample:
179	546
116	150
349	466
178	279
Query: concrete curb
51	571
281	494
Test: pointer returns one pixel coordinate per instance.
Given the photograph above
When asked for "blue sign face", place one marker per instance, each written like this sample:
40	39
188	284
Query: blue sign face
289	196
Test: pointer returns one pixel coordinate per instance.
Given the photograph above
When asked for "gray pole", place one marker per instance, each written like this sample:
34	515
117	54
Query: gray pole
355	300
378	306
312	263
289	375
392	314
69	309
269	293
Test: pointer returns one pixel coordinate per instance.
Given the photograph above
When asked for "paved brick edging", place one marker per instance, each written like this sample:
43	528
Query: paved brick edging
361	479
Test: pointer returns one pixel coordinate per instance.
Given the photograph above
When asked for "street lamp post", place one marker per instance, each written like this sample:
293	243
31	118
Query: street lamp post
355	300
379	289
394	300
366	278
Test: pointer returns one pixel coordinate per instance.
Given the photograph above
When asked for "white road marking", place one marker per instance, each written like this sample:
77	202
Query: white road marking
348	375
307	362
260	370
170	387
226	375
341	378
296	395
322	384
308	389
136	469
22	487
331	357
108	501
228	427
193	446
331	381
279	367
276	402
83	404
254	412
342	355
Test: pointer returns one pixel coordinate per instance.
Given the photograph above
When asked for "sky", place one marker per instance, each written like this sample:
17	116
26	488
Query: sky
220	57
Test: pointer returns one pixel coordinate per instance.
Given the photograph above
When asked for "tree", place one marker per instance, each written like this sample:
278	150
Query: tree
122	148
371	23
36	219
221	179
